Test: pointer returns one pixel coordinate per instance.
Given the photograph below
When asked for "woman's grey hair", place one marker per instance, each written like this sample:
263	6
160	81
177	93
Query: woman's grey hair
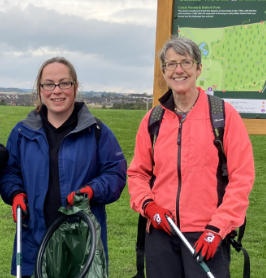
60	60
181	46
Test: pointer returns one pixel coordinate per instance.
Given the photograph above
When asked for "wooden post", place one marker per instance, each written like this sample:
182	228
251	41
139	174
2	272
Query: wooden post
255	126
163	33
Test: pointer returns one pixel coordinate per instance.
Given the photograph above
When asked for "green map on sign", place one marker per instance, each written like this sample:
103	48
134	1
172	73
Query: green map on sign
233	57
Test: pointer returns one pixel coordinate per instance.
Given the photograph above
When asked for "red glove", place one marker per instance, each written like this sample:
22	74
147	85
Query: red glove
206	245
86	189
157	216
20	200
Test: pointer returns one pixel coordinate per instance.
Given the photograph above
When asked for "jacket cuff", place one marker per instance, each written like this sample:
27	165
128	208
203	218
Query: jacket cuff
145	203
16	192
212	228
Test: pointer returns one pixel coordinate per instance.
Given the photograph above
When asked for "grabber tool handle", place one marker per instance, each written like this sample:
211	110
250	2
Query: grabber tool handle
188	245
19	243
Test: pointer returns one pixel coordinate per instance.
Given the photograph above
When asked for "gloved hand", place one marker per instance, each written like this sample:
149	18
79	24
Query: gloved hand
157	216
20	200
86	189
206	245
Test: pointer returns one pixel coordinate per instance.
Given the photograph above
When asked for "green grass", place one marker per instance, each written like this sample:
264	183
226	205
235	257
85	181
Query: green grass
122	220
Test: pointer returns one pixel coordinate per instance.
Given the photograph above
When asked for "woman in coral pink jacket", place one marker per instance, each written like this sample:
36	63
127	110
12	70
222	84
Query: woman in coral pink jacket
185	166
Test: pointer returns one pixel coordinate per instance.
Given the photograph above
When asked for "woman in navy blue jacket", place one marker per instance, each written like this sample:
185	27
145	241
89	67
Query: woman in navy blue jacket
54	153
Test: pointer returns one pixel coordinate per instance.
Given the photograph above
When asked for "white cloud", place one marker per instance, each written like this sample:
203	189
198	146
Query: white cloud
119	11
108	43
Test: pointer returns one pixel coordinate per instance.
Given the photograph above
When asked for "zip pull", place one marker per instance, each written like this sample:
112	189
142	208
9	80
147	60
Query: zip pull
180	129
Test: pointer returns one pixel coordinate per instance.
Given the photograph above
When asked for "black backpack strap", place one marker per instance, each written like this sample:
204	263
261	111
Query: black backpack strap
155	120
238	247
217	116
97	129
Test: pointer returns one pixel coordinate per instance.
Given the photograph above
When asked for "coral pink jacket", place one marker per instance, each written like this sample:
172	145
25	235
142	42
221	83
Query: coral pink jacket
186	181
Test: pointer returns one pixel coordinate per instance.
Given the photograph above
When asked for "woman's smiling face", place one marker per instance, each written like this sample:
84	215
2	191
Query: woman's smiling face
180	80
59	102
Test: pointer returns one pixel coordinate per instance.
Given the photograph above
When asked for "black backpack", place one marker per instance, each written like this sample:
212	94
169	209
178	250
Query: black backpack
217	117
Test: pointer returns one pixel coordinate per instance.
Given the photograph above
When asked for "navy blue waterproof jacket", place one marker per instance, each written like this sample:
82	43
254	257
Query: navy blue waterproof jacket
81	161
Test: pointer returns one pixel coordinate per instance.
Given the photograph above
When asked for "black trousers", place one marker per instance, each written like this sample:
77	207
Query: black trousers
168	257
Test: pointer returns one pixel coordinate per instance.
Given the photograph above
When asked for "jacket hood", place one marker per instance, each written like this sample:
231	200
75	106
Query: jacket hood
85	119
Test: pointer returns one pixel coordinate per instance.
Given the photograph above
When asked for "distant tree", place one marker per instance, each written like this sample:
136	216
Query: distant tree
130	106
2	102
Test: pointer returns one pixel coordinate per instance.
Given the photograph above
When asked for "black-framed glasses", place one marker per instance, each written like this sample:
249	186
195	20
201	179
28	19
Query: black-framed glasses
185	65
62	85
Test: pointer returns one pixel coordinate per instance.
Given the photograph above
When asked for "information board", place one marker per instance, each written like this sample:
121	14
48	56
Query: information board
232	37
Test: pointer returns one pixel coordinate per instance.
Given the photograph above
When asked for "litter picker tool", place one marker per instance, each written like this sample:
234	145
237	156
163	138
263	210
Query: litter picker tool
19	244
187	244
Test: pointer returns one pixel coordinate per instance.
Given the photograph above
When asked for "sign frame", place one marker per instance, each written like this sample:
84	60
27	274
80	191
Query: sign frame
164	30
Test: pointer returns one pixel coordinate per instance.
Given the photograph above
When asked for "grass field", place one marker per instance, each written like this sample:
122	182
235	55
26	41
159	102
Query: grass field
122	221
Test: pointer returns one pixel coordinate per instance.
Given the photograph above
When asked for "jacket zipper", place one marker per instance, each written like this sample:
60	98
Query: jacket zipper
179	167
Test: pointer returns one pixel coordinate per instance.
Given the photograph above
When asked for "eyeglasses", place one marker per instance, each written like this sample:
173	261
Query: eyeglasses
62	85
185	65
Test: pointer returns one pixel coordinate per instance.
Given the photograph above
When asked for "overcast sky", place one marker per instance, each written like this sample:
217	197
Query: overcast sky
110	42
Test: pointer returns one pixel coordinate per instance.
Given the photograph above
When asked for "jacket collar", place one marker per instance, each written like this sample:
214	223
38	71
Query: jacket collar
33	120
85	119
167	100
